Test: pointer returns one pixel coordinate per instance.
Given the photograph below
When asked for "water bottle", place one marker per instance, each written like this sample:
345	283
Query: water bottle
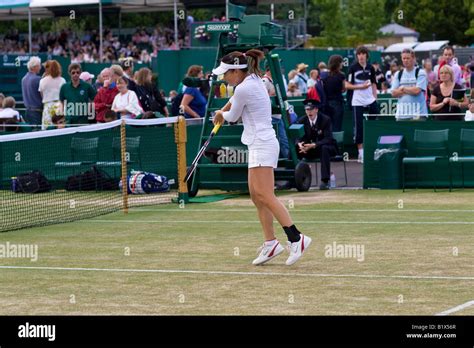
14	184
223	90
332	181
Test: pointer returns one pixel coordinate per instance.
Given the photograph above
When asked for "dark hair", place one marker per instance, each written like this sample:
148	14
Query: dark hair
448	48
251	57
334	63
364	50
110	115
74	66
56	118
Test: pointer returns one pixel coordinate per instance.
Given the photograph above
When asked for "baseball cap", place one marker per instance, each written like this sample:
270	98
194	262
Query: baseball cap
86	76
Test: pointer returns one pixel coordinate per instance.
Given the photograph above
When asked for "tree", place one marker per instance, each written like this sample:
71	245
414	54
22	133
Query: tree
332	20
470	7
440	19
365	17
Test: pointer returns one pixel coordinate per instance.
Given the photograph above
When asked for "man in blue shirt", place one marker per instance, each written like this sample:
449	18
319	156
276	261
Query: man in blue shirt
31	95
409	86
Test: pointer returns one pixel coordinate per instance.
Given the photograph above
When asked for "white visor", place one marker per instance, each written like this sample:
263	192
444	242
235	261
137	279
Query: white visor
223	68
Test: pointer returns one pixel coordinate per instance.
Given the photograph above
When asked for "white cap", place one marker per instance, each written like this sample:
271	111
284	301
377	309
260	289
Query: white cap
223	68
85	76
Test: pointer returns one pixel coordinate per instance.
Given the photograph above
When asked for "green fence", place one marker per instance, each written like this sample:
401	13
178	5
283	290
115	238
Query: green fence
374	129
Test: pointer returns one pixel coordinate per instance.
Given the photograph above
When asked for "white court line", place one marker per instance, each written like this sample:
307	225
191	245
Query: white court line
457	308
279	274
312	210
296	222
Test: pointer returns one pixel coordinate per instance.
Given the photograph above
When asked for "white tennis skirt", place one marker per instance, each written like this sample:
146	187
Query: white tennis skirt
264	153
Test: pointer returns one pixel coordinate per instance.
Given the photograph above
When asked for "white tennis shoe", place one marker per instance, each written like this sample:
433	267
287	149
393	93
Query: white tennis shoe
297	249
268	252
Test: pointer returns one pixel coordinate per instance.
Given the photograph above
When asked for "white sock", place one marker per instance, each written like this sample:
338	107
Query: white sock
270	242
361	152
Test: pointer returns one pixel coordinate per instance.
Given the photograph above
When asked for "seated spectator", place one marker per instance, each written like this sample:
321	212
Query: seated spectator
11	125
105	96
293	90
126	102
409	86
59	122
317	141
194	103
442	101
8	110
110	116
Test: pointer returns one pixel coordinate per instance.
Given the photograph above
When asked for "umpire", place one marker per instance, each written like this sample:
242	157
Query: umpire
317	141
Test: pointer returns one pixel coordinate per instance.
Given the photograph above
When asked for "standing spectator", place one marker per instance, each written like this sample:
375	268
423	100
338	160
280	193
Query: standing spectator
194	103
313	78
379	76
87	77
317	141
391	72
334	86
442	101
77	97
323	70
293	90
31	95
362	81
451	60
126	103
8	110
291	76
409	86
105	97
99	82
430	74
127	66
2	98
301	78
277	118
49	88
147	92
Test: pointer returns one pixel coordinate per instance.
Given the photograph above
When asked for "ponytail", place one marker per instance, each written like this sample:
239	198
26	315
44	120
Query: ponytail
253	60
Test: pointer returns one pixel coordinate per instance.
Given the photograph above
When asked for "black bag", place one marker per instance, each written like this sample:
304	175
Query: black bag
93	179
33	182
175	104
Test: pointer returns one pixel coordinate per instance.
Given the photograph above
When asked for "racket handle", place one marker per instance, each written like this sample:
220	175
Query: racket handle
216	128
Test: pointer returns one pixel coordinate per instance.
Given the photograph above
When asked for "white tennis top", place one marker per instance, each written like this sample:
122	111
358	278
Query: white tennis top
251	102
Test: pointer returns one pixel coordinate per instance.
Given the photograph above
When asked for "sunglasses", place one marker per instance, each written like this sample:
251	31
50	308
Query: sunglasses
75	72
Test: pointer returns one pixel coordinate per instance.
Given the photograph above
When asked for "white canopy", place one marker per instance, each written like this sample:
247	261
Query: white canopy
398	47
430	45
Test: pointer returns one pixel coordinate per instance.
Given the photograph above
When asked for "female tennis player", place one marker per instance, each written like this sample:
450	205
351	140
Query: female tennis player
251	103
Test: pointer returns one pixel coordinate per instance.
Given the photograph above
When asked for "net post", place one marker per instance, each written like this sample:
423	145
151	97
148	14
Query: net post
123	153
181	139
